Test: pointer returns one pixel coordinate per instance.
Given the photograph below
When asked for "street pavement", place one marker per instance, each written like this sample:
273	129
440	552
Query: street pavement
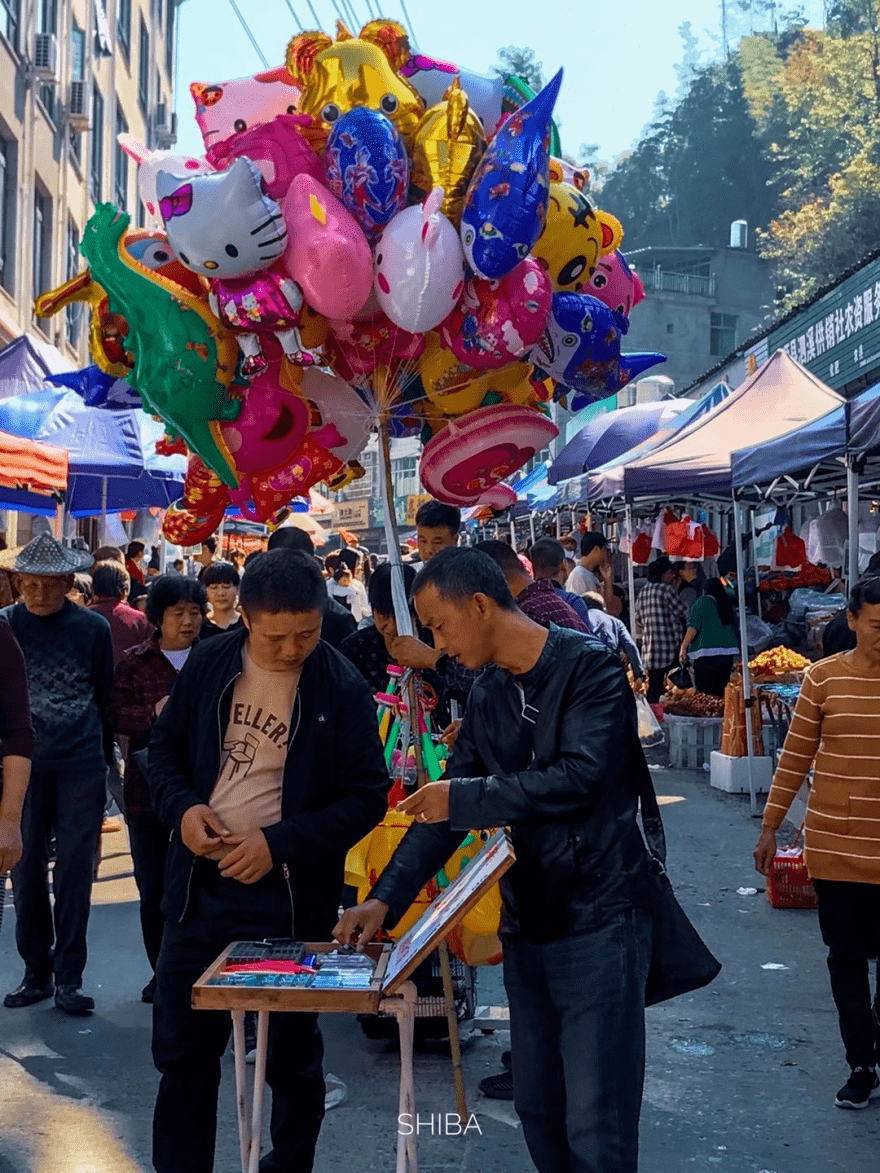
741	1077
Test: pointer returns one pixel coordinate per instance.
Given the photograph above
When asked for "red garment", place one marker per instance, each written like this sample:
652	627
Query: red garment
791	551
711	545
684	539
143	676
641	549
134	571
128	626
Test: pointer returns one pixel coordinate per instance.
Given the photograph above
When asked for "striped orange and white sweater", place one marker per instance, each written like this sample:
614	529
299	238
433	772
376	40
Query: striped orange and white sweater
836	729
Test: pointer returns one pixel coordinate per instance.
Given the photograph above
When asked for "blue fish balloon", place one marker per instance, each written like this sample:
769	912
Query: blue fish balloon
367	168
580	349
506	205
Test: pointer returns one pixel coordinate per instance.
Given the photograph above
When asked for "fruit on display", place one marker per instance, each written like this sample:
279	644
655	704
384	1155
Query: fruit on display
778	662
687	702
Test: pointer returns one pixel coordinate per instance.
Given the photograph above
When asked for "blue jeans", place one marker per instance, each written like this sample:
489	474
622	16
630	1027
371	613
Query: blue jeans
577	1033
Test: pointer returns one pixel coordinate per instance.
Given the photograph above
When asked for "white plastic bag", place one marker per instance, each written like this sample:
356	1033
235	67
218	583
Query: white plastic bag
650	730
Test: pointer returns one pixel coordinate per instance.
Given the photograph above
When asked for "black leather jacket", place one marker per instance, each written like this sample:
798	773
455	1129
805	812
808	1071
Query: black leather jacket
335	783
572	812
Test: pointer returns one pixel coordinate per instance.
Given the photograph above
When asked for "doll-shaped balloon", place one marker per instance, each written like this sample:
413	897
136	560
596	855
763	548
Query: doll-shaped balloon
225	228
576	238
419	266
580	349
367	168
355	71
497	321
506	206
616	284
232	107
450	142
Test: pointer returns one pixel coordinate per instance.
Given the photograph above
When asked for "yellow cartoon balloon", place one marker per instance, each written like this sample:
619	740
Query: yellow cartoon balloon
449	144
355	71
453	389
576	236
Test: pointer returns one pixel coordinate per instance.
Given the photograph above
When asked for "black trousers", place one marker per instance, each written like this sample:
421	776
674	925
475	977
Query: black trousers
70	806
712	674
849	919
149	848
656	681
188	1044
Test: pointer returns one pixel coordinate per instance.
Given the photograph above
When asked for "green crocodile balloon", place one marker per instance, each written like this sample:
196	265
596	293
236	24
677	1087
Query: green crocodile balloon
184	359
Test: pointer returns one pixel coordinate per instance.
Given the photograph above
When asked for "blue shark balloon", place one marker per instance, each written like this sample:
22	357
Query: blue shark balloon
580	349
367	168
506	205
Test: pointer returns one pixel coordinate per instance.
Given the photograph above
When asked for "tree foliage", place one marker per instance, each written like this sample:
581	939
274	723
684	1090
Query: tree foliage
520	63
784	134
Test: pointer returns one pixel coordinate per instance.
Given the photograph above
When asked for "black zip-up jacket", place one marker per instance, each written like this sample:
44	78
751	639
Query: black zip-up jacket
571	810
335	782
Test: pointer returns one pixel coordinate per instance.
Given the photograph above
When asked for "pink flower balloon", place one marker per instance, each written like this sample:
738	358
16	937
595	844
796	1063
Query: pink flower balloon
327	253
277	149
497	321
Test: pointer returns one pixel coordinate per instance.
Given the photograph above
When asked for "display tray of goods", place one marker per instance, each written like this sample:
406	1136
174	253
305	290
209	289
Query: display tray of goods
687	702
778	664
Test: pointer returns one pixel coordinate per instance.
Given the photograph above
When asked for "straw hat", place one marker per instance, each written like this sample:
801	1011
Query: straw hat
45	555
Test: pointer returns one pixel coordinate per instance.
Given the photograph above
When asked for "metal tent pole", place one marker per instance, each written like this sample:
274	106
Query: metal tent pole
744	648
630	570
852	510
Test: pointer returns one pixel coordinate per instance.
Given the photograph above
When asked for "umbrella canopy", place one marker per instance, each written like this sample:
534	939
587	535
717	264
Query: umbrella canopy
780	397
28	465
612	433
26	363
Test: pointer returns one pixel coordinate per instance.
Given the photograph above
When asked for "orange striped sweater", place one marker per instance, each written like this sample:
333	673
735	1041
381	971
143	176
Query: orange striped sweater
836	725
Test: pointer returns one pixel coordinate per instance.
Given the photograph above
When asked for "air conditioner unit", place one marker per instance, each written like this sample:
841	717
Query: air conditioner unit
46	57
79	109
165	126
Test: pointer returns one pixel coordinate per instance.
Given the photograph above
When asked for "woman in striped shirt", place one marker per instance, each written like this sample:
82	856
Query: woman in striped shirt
836	729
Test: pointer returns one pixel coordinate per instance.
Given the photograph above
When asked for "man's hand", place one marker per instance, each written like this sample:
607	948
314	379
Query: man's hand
201	830
10	847
250	858
409	652
360	924
640	686
605	573
450	735
765	851
430	804
682	656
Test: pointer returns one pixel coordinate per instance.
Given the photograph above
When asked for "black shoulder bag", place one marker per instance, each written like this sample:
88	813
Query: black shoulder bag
680	959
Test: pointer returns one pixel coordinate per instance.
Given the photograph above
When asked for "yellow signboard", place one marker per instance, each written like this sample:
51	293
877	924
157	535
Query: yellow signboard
413	504
353	514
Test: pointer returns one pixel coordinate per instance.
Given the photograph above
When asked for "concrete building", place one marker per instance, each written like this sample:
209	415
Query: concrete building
701	304
73	74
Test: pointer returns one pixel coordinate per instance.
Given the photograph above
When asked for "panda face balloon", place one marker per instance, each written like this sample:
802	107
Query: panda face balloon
506	206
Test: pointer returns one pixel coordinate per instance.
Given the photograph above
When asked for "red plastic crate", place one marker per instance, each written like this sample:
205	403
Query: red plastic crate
788	884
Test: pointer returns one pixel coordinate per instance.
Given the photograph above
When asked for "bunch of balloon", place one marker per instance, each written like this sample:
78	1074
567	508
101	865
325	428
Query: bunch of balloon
373	240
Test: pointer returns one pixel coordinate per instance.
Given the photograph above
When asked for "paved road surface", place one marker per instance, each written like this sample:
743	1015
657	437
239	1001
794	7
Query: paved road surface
741	1077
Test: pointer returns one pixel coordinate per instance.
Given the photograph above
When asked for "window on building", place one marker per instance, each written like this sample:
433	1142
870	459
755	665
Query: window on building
74	262
123	25
96	189
722	334
144	69
10	20
47	22
42	273
120	163
7	213
406	476
170	29
77	53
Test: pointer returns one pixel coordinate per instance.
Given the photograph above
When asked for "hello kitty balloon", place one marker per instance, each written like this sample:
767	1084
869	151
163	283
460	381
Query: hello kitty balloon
225	228
419	266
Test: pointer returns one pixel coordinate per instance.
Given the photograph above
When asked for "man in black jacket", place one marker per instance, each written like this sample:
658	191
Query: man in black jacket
266	766
339	623
549	746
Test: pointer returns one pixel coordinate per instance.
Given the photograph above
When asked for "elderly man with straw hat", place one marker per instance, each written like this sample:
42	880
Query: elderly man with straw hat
68	655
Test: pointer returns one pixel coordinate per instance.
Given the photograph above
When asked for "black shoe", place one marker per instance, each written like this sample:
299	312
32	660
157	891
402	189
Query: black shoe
862	1085
506	1061
148	993
498	1087
268	1164
72	1000
29	992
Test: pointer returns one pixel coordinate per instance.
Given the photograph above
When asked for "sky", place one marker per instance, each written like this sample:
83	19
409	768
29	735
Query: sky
616	59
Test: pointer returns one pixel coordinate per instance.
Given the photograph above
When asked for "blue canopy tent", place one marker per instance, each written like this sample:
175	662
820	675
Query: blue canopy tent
113	461
609	435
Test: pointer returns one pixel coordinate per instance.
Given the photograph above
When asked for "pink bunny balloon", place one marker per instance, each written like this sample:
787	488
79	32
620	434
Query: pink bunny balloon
327	253
419	266
150	163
